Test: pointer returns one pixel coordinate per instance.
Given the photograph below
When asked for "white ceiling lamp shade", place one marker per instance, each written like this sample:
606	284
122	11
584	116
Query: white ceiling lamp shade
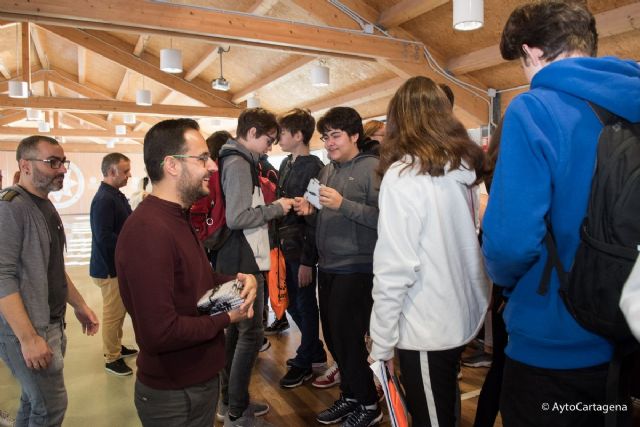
129	119
221	83
34	115
143	97
468	15
320	74
44	126
171	60
121	130
111	143
253	102
18	89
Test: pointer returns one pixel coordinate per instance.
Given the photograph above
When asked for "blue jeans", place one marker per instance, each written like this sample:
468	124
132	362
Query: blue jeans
44	398
303	309
242	343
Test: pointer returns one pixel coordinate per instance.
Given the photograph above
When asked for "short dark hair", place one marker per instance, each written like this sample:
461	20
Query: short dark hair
299	120
28	147
111	159
447	91
553	26
216	141
342	118
259	118
164	139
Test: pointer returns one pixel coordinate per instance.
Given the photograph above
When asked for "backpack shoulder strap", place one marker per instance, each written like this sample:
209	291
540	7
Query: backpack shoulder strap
252	167
553	261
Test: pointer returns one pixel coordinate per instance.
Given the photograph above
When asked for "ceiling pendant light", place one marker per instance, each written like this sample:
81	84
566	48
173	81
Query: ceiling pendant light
320	74
121	130
34	115
171	60
468	15
43	126
18	89
129	119
253	101
143	97
111	143
221	83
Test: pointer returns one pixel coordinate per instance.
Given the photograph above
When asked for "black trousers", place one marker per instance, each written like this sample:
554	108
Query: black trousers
489	400
540	397
430	381
345	309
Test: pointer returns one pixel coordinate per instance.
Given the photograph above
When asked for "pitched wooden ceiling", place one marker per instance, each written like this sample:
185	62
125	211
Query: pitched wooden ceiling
86	59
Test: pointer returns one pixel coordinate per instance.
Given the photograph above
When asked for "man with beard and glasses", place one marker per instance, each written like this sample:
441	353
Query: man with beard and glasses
109	211
34	287
163	271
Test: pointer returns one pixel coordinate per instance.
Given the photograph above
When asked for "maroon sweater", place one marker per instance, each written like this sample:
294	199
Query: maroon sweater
162	272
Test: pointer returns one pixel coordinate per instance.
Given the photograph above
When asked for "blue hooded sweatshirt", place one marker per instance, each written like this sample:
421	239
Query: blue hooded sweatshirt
545	165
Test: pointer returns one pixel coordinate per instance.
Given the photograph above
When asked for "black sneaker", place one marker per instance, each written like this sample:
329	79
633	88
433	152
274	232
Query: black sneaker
128	352
295	377
363	417
278	326
118	367
337	412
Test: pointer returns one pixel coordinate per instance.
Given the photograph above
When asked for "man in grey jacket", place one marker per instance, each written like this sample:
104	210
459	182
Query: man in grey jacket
246	250
34	287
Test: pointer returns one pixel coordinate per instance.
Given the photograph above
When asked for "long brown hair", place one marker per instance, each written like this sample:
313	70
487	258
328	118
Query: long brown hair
421	124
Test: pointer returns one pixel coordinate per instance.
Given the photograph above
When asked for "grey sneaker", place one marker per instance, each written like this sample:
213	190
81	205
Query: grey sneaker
256	409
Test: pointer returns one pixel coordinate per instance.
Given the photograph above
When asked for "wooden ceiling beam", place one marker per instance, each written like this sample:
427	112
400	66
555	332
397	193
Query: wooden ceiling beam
102	106
358	97
297	62
119	52
92	119
82	64
262	7
11	116
36	76
76	147
37	43
609	23
212	25
407	10
25	45
327	13
202	63
69	81
57	132
140	44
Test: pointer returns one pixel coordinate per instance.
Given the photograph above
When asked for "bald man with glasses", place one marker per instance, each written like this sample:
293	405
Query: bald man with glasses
34	287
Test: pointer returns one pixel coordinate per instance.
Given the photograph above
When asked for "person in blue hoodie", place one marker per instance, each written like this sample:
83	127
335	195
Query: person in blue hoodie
544	169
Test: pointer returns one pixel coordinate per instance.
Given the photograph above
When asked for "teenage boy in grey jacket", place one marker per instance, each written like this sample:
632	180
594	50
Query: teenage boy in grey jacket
246	250
34	287
346	234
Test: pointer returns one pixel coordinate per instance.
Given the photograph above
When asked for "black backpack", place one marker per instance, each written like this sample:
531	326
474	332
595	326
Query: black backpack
609	235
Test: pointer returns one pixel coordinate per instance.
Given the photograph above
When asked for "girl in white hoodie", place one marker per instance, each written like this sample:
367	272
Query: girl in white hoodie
430	288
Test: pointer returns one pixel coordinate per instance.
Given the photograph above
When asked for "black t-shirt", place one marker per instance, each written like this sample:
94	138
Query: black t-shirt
55	272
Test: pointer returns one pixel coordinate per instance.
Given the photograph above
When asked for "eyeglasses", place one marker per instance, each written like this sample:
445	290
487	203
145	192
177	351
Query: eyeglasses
54	163
332	135
271	140
204	158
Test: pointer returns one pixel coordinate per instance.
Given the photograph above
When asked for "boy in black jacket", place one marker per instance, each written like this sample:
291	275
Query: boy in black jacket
296	236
